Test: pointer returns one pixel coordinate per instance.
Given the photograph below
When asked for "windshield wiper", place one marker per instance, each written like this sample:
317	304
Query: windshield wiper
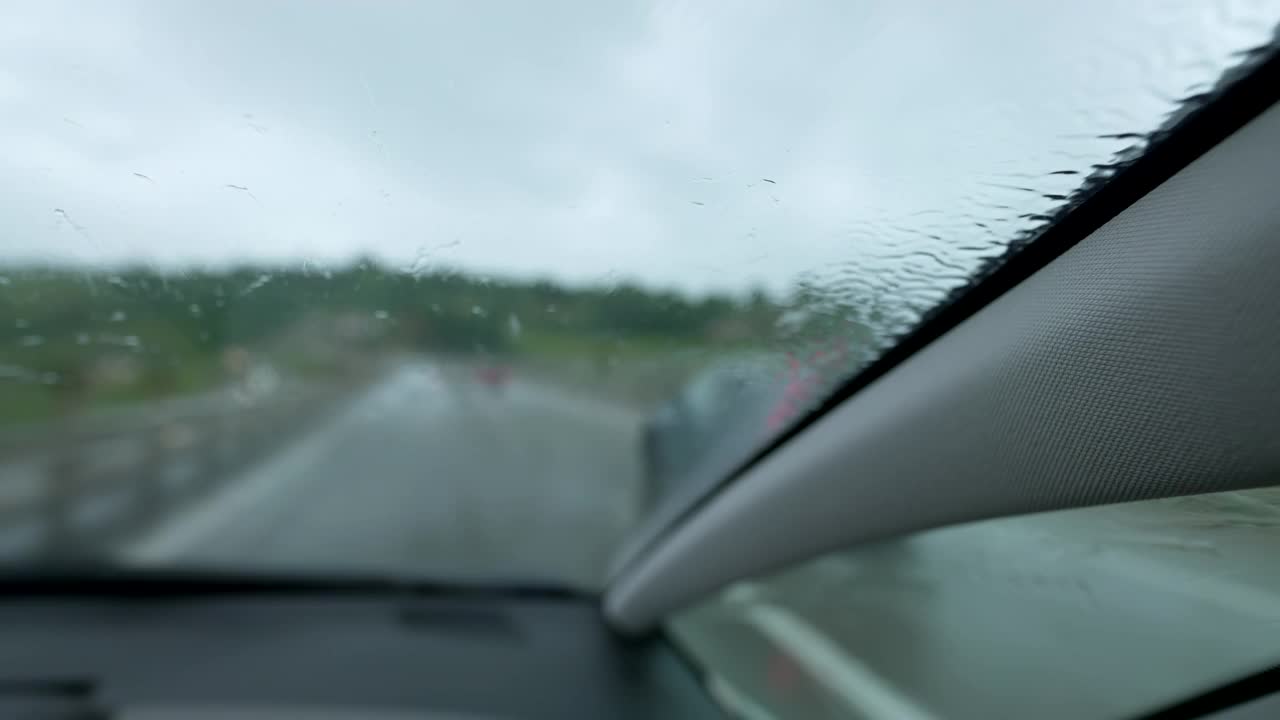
105	579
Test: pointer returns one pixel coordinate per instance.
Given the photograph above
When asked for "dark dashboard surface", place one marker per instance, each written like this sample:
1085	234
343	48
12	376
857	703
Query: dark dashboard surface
430	657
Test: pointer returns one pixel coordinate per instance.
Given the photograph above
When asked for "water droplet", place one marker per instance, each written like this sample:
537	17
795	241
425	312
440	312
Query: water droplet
381	315
31	341
477	311
82	338
513	325
50	378
435	308
21	323
132	341
194	309
4	280
262	279
551	308
119	316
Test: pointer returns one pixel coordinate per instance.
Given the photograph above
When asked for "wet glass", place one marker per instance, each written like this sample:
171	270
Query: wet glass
464	290
1091	613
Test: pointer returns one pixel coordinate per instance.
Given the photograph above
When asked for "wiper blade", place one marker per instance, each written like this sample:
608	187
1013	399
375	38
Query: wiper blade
126	581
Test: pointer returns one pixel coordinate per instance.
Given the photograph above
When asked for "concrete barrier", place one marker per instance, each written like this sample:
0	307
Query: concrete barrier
75	487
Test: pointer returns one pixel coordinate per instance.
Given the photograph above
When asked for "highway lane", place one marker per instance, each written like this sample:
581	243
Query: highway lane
430	474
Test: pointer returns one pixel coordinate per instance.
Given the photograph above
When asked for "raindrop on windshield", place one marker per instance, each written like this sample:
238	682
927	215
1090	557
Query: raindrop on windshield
119	316
262	279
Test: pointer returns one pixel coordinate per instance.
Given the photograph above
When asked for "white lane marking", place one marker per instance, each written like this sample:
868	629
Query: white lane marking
254	489
845	676
738	703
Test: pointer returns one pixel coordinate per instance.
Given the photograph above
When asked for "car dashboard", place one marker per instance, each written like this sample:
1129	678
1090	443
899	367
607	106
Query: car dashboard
285	656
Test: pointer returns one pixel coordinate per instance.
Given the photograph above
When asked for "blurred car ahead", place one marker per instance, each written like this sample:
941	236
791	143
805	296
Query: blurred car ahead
719	417
726	412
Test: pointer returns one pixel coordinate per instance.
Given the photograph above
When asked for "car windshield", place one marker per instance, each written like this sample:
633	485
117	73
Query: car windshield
417	287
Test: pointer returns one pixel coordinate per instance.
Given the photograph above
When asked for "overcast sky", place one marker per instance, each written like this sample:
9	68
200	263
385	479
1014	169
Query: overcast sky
692	144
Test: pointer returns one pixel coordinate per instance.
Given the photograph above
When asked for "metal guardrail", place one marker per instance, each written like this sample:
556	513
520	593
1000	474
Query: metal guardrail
76	487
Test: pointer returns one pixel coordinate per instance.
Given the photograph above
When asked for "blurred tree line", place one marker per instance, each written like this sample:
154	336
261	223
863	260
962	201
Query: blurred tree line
140	332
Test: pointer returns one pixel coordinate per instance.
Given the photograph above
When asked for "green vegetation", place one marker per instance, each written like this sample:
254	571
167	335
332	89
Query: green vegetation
74	340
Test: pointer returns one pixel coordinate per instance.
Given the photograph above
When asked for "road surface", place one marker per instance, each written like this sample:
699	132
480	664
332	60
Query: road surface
1103	612
430	474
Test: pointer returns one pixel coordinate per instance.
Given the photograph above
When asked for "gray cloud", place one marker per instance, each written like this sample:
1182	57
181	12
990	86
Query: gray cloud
575	139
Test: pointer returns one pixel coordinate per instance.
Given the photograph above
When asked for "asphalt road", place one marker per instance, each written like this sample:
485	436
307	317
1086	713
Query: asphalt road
433	474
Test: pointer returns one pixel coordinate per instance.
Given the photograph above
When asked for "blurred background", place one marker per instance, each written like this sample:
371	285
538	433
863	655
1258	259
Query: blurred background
464	410
472	290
